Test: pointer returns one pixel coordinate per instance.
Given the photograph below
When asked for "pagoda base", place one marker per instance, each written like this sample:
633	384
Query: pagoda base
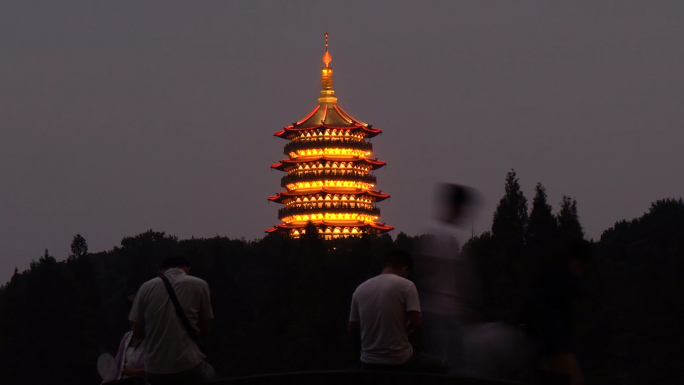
329	231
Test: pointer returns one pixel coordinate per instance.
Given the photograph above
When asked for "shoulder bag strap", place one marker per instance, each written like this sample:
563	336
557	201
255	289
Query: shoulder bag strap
179	309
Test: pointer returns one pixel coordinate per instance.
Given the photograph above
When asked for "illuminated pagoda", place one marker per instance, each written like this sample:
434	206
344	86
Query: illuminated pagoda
329	180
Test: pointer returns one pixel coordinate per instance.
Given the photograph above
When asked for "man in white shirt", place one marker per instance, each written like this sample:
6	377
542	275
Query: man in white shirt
172	357
384	310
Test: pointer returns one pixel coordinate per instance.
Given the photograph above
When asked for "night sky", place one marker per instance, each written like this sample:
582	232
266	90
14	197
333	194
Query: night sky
118	117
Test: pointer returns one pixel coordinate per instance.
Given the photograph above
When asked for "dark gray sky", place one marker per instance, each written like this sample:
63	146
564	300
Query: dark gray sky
118	117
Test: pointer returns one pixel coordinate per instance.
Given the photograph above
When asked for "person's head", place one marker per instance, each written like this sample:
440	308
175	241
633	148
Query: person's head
178	261
398	262
452	200
575	255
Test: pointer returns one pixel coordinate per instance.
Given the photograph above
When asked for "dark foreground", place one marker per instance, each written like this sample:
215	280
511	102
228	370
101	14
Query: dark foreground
362	378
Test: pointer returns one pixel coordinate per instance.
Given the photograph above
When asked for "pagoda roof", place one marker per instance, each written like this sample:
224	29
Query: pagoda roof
279	198
379	226
376	164
331	116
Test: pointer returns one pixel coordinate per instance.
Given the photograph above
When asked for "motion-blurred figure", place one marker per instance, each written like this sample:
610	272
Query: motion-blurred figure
451	297
442	274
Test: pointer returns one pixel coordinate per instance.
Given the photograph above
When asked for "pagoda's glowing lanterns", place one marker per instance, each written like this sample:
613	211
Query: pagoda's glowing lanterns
329	180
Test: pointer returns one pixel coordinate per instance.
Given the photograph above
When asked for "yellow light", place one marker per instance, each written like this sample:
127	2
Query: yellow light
345	217
329	183
329	151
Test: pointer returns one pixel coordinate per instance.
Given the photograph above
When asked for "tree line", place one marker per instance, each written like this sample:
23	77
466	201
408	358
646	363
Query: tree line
282	304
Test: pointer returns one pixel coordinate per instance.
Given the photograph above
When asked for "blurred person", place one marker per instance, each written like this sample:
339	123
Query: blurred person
384	310
449	288
443	276
173	354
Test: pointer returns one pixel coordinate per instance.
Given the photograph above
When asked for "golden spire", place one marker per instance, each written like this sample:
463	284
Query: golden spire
327	58
327	92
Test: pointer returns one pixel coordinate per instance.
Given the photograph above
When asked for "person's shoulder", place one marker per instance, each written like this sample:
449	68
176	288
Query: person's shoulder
395	282
384	280
191	279
151	283
367	283
401	280
391	278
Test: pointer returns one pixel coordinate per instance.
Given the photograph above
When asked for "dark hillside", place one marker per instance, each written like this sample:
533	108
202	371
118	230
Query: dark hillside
282	305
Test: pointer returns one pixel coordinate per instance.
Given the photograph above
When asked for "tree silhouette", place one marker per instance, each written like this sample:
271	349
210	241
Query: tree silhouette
510	219
79	246
542	224
568	221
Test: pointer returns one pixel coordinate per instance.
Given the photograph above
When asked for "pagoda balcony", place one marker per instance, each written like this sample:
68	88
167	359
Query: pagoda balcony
310	176
354	144
342	208
323	205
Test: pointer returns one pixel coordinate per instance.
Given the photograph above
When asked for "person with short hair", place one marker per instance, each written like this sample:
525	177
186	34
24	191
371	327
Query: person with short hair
384	310
172	356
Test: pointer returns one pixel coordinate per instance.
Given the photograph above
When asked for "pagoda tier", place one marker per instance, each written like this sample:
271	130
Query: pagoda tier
327	120
328	194
329	180
328	203
326	162
334	230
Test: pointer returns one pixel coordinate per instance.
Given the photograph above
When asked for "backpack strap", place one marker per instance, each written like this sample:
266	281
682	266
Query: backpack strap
179	310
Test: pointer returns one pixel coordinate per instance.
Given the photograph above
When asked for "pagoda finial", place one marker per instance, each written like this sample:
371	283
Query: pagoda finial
327	58
327	92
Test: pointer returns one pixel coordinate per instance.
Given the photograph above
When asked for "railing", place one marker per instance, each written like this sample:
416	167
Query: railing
353	144
288	211
314	175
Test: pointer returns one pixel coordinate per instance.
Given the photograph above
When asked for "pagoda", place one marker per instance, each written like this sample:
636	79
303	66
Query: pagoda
329	180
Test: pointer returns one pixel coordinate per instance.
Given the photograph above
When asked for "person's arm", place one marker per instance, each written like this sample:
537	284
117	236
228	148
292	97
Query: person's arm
137	315
206	313
414	320
354	328
138	330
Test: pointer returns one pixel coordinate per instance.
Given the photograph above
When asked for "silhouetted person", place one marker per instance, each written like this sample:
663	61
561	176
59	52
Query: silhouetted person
556	286
173	357
384	310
